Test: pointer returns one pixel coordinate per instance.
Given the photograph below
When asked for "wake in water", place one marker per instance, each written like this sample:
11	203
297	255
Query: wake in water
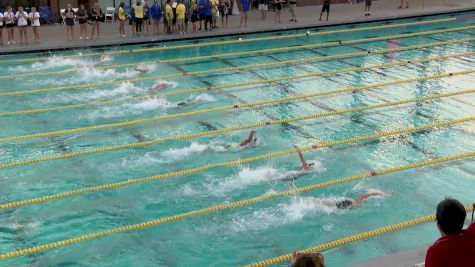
177	154
246	177
128	109
293	212
53	62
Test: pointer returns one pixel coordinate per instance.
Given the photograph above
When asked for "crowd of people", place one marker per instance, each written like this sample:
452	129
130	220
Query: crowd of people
144	18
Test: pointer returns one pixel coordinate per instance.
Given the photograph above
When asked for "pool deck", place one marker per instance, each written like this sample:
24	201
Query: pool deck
53	36
403	258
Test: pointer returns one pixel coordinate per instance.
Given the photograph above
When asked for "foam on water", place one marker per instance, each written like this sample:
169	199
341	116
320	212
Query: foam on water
248	177
128	109
53	62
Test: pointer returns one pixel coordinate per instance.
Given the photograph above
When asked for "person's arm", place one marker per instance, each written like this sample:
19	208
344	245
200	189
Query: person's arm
302	159
248	140
361	199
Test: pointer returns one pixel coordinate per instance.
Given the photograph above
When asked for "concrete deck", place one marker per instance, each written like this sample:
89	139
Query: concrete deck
54	36
404	258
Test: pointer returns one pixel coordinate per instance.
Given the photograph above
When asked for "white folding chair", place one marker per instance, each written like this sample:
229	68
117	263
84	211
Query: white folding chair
63	15
110	13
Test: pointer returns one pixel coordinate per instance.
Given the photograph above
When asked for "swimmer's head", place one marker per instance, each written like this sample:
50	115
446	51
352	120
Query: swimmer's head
307	259
344	204
311	164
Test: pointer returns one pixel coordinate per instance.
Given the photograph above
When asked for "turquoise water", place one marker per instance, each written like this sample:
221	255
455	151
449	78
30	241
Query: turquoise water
247	234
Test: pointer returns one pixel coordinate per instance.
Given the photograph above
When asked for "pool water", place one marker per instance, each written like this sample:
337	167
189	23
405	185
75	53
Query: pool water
241	235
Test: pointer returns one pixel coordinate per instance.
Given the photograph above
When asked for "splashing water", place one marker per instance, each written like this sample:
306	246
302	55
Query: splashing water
52	62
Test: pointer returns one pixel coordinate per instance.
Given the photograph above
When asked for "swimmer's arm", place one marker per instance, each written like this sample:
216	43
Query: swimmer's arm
248	140
302	159
361	199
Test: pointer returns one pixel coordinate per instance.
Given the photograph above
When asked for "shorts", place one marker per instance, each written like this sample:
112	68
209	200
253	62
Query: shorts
82	21
70	22
22	26
326	8
194	18
10	25
278	6
262	7
131	22
1	26
180	21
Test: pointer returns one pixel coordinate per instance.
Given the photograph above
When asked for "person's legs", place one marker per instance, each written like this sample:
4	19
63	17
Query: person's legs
24	34
93	29
245	19
98	28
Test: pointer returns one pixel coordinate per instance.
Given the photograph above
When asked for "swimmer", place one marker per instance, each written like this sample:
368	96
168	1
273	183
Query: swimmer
103	58
348	203
157	87
303	170
250	141
141	70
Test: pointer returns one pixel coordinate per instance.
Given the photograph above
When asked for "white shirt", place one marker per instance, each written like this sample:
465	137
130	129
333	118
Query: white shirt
35	21
8	17
21	21
1	19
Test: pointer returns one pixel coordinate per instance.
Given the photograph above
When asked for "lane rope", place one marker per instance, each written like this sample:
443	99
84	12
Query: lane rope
241	40
129	123
246	67
243	53
207	167
245	202
351	239
148	97
201	134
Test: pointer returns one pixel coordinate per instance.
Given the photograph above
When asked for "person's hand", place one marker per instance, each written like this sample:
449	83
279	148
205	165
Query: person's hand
297	147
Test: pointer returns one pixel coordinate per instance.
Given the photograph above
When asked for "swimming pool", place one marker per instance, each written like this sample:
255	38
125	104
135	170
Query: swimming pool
69	123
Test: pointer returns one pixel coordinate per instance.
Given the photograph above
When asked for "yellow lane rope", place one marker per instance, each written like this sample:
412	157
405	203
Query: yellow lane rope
251	52
246	67
218	131
224	206
148	97
228	163
241	40
129	123
352	239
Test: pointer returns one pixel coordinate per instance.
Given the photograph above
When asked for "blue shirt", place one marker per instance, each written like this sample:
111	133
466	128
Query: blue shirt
156	11
205	7
246	5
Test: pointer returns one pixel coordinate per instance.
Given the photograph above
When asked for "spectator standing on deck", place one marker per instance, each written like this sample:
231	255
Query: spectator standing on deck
146	16
156	14
402	2
456	247
325	8
245	7
168	17
224	6
138	9
1	28
82	18
263	7
97	18
367	8
35	23
206	13
278	7
180	14
9	21
22	22
195	15
214	11
69	21
132	20
292	9
122	17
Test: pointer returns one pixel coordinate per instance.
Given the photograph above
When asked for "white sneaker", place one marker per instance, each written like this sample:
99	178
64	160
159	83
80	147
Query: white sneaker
87	38
13	42
123	35
80	38
8	43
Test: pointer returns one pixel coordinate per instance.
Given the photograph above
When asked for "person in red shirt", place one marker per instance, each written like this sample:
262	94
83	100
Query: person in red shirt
456	247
